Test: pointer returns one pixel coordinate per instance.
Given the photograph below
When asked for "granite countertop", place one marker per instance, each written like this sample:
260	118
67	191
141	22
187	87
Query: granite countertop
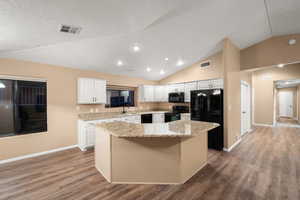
111	115
180	128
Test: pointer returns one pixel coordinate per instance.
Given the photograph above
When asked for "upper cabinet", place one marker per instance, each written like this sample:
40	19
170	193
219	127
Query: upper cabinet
91	91
210	84
177	87
160	93
146	93
188	87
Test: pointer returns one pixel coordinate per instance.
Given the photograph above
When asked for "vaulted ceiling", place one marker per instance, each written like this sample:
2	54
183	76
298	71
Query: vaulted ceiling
186	30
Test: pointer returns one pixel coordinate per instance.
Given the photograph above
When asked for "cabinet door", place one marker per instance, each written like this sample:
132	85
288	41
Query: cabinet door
85	91
188	87
149	93
100	91
204	85
158	118
158	94
165	93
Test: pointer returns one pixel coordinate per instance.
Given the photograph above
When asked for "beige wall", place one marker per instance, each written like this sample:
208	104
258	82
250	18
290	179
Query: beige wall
263	87
62	107
232	90
270	52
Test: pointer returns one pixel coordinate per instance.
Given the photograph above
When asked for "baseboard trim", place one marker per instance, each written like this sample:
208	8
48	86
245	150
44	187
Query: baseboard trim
232	146
266	125
36	154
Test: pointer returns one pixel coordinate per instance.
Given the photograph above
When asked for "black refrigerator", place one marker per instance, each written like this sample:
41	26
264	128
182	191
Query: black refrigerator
207	105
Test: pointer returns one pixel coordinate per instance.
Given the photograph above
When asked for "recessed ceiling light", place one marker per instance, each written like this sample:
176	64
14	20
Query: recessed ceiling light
280	65
292	41
162	71
120	63
166	59
180	62
136	48
148	69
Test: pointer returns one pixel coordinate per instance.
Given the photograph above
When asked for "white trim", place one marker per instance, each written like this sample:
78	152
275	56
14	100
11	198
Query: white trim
288	125
266	125
22	78
232	146
36	154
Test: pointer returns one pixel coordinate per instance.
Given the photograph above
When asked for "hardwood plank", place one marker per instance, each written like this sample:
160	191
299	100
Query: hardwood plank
264	166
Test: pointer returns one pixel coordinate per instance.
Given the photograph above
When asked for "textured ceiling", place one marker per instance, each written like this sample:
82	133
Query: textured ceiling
178	29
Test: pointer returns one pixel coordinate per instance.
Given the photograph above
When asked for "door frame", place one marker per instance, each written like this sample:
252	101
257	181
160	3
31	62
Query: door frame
249	107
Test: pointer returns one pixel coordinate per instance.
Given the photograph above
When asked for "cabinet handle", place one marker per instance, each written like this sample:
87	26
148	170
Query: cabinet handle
95	99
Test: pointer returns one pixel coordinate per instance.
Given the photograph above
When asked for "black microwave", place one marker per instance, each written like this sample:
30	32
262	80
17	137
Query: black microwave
176	97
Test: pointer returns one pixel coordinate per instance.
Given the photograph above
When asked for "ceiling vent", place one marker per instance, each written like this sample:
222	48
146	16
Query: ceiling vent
205	64
70	29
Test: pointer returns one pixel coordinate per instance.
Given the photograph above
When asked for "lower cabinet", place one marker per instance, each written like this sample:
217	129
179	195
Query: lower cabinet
158	117
87	130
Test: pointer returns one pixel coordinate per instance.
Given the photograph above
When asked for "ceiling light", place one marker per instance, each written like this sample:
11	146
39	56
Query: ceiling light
136	48
180	63
148	69
2	85
162	72
166	59
280	65
292	41
119	63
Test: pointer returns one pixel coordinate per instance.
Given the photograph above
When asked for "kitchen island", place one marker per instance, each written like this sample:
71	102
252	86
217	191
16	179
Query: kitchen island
160	153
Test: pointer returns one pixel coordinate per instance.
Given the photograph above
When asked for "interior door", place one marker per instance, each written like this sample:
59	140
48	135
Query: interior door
286	104
245	108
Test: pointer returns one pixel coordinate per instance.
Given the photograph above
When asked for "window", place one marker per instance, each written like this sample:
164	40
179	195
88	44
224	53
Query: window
119	97
23	107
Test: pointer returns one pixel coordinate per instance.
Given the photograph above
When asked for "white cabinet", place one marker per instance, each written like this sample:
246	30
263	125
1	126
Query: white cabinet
91	91
161	93
158	117
86	134
146	93
210	84
178	87
188	87
185	116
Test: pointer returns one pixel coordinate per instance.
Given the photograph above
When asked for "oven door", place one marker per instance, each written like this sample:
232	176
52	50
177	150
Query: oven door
169	117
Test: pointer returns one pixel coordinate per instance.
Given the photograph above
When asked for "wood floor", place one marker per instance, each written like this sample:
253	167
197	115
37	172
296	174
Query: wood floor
266	165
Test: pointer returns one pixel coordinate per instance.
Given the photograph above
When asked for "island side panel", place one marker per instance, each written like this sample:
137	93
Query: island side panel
103	153
146	160
193	155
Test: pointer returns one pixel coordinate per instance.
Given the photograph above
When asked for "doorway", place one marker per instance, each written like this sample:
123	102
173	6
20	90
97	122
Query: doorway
287	103
245	108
